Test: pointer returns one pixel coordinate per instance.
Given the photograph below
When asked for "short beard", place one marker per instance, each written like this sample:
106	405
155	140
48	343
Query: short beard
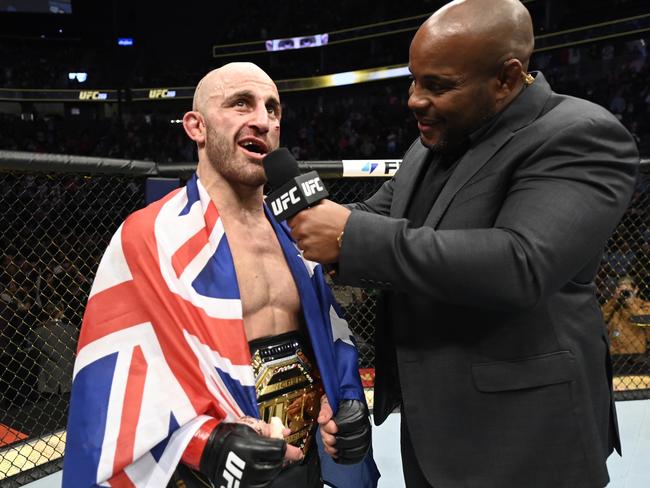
451	142
224	160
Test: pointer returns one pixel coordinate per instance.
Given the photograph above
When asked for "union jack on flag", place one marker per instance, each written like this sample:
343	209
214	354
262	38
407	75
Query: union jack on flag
163	348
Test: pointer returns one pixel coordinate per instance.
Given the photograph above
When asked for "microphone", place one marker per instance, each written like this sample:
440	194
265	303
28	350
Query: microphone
293	191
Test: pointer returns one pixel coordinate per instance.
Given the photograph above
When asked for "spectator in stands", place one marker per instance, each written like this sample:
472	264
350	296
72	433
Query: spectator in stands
485	244
55	341
66	285
9	268
324	116
620	254
627	317
606	282
18	371
7	317
641	268
617	105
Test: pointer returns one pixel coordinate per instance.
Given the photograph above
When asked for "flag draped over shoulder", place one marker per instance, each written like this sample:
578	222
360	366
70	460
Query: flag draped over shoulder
163	347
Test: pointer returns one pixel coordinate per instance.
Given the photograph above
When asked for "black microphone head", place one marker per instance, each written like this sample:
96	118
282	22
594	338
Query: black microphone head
280	166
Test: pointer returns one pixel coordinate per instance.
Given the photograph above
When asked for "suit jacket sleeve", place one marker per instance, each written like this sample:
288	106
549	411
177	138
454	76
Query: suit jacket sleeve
564	200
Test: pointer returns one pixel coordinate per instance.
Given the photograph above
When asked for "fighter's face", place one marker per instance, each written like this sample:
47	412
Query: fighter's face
242	126
448	96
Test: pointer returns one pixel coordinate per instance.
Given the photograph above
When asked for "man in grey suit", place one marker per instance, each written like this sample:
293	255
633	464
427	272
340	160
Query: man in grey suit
485	245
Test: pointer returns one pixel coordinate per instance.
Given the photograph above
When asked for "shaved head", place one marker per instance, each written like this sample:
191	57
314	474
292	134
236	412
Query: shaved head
235	122
469	60
493	31
215	81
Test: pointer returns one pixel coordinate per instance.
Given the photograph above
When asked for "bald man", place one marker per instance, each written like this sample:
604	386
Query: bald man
485	245
235	122
234	362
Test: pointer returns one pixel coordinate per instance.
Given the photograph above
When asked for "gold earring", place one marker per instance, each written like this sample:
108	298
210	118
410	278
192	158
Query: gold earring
527	78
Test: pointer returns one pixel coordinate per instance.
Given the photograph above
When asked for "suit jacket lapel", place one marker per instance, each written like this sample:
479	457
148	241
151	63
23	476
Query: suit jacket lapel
406	178
473	160
521	112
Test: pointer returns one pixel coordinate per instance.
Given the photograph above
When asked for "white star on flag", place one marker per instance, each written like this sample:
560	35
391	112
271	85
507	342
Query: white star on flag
340	329
311	265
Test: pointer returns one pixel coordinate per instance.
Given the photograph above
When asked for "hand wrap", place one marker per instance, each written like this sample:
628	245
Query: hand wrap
354	434
236	453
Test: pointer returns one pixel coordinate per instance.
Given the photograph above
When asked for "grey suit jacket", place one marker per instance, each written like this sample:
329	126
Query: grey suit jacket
488	312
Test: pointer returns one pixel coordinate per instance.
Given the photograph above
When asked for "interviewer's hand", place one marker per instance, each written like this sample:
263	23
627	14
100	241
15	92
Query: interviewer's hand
317	228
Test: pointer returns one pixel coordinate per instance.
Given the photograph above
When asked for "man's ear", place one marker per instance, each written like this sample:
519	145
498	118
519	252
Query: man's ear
509	81
194	126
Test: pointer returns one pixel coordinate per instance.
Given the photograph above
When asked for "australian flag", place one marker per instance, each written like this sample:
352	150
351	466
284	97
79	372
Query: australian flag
163	348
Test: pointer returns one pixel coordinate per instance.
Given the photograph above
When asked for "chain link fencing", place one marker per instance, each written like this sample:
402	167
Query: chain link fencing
623	283
55	228
54	231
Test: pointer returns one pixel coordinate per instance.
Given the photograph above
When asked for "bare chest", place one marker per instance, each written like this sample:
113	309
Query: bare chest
269	297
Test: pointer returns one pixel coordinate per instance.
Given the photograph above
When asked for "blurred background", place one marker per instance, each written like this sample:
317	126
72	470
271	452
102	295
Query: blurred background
112	80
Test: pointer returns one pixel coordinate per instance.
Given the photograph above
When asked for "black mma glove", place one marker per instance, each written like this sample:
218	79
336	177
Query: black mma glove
354	435
236	453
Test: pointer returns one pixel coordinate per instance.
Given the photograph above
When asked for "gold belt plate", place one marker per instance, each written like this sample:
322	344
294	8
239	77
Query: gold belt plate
289	388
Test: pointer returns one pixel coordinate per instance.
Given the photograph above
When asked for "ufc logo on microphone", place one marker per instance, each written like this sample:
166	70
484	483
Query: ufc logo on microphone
312	186
234	470
281	203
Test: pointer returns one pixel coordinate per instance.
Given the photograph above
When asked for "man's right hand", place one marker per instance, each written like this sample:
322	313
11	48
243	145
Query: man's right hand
237	452
276	430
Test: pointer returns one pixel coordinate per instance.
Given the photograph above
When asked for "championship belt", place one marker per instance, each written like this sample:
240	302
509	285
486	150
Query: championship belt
287	385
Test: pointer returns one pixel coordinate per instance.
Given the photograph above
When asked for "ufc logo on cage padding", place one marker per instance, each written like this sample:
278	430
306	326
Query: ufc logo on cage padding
234	470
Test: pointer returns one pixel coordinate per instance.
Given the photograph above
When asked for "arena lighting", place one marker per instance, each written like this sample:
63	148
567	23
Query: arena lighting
301	42
360	76
40	7
341	79
125	41
81	77
187	92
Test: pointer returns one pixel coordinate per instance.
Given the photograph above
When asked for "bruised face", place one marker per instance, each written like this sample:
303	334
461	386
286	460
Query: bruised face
242	118
450	93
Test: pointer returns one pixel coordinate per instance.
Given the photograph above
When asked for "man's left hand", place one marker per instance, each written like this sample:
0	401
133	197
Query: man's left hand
348	435
316	230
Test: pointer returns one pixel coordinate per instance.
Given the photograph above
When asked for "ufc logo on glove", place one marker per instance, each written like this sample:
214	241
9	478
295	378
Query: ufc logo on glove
233	471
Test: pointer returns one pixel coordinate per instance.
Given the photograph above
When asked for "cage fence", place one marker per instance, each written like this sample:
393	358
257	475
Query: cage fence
55	227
